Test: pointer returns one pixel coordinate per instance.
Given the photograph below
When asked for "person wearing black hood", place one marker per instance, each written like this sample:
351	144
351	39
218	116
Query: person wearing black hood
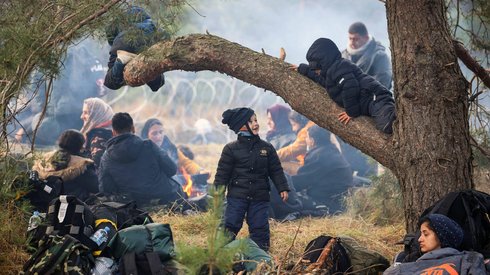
136	168
244	168
348	86
129	36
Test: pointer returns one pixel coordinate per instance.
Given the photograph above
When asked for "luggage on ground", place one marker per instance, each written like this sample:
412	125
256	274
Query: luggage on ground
60	255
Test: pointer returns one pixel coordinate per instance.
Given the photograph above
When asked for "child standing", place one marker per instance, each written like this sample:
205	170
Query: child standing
346	84
244	168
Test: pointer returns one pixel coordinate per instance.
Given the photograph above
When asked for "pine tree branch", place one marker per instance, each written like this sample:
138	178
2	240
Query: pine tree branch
471	63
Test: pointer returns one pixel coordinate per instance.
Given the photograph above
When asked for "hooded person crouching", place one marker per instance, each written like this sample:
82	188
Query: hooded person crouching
244	168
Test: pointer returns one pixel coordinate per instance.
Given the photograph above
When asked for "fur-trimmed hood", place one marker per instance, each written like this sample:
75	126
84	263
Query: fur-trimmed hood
74	167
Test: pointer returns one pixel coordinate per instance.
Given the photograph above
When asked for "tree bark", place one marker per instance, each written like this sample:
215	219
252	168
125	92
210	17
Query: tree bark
198	52
432	151
429	151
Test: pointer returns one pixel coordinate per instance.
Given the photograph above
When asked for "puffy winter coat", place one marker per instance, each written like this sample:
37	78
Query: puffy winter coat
78	173
345	83
133	34
442	261
245	167
139	169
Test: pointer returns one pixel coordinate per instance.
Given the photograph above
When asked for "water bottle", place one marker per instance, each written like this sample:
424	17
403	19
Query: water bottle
34	221
100	236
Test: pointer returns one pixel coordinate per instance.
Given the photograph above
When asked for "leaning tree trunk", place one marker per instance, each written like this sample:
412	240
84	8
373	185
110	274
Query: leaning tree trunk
432	141
429	151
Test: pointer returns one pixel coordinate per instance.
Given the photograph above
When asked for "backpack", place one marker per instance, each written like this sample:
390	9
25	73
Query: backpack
117	216
363	261
60	255
145	263
153	237
42	192
471	210
122	215
68	215
324	254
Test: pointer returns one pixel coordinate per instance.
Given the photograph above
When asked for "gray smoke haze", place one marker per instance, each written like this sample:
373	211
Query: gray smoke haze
291	24
188	96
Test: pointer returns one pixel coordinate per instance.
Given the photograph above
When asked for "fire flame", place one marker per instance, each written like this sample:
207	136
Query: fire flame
188	186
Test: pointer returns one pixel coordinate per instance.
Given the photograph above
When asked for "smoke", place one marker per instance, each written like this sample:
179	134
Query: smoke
291	24
188	96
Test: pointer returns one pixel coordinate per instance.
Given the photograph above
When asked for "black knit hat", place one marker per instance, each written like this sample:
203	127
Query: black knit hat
236	118
448	231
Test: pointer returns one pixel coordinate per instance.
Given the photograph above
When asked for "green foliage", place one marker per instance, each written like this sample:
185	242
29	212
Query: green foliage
212	258
15	213
381	203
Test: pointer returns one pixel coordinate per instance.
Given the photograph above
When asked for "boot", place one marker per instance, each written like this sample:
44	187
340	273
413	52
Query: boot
124	57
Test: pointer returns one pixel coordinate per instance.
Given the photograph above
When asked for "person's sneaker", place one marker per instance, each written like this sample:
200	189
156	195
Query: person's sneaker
124	56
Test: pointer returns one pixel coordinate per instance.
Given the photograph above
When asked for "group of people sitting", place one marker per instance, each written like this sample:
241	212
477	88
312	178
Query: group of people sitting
106	157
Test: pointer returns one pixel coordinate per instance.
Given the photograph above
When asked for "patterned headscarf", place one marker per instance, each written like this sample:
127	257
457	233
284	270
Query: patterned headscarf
100	113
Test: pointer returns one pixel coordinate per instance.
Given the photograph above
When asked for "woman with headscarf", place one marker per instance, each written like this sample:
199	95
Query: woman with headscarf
78	173
153	130
96	116
440	238
280	133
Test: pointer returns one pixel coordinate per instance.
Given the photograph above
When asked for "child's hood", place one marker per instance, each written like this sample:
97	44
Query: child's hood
322	54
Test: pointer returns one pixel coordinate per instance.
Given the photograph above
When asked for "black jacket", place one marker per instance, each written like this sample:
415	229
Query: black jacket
137	168
345	83
325	175
245	167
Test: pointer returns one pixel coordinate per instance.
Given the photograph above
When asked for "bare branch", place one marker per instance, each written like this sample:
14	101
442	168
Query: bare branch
471	63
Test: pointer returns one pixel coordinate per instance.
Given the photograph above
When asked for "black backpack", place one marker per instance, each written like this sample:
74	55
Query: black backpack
117	216
471	210
144	263
67	215
324	254
42	192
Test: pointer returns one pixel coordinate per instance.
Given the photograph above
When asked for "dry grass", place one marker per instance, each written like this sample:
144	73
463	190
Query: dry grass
288	240
12	239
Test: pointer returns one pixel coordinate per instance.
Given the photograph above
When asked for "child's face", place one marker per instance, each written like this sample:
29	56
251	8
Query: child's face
253	124
428	240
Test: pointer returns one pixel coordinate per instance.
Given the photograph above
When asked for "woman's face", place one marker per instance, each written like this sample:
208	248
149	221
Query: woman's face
295	125
254	124
156	134
270	122
428	240
85	114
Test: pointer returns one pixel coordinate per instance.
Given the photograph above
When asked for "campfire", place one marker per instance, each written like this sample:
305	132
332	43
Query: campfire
194	185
